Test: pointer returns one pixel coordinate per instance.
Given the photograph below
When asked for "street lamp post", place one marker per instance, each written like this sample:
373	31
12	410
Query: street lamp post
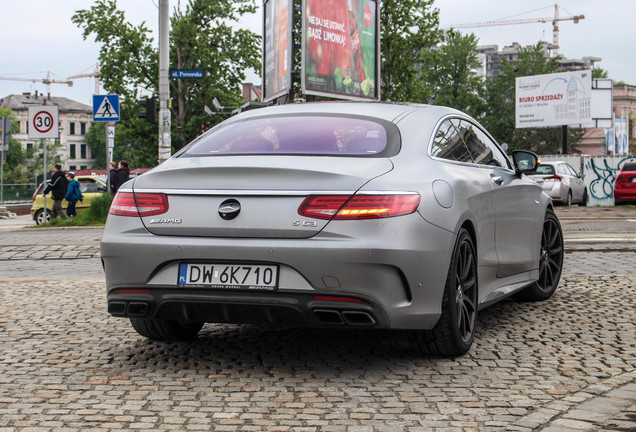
165	122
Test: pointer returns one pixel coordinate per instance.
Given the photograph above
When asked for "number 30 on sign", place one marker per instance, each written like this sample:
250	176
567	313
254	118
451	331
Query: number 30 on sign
43	121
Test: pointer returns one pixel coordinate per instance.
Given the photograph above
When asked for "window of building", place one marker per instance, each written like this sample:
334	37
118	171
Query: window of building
83	151
82	128
72	128
71	151
29	150
72	167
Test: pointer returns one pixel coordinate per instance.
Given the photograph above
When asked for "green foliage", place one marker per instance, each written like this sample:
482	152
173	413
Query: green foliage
600	73
202	37
451	71
98	210
15	157
95	215
408	28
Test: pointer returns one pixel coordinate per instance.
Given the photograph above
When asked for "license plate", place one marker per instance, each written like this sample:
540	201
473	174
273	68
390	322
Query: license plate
228	276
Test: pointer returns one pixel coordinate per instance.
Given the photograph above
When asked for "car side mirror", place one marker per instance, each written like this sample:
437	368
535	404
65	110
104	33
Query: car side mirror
525	161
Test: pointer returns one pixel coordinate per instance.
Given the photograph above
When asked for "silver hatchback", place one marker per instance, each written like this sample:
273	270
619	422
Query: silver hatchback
359	215
561	182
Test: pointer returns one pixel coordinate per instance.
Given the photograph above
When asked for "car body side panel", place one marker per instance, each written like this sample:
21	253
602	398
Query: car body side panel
520	207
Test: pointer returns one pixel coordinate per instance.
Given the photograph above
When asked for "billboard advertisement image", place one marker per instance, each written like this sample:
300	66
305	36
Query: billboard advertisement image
554	99
340	49
277	48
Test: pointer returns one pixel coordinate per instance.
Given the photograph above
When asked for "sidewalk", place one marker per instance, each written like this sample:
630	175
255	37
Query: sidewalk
9	224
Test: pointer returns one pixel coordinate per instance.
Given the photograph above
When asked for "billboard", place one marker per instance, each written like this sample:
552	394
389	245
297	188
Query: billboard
277	48
553	100
340	49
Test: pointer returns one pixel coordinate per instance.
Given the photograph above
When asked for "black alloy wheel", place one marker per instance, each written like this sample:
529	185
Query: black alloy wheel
550	260
454	333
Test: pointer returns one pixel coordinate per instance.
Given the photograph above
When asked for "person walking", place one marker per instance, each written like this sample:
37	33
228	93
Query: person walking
58	186
113	176
123	174
73	194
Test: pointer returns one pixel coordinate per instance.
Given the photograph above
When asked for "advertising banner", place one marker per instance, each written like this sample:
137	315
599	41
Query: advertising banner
277	48
553	100
622	135
341	49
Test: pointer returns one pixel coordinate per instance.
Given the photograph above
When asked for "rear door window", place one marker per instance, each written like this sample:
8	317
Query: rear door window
449	145
482	149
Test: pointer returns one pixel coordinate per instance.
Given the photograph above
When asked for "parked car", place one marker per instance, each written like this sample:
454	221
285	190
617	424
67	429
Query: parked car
625	184
359	215
561	182
90	187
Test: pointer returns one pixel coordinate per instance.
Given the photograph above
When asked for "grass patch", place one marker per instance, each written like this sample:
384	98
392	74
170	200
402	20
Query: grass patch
95	215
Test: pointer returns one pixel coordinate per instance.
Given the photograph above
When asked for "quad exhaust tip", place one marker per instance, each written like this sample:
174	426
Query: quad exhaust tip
351	318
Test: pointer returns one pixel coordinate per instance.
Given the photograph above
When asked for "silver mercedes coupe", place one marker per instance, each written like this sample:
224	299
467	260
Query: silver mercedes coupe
333	214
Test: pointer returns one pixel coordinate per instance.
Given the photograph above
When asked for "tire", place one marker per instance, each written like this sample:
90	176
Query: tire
569	199
584	202
454	333
39	217
165	330
550	261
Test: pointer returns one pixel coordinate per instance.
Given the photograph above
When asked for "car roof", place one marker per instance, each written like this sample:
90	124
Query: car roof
387	111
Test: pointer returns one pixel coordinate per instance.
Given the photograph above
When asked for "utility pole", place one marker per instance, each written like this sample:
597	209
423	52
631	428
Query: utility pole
165	122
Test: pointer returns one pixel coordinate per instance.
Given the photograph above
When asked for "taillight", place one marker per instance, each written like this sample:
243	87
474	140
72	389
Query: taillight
555	177
139	204
346	207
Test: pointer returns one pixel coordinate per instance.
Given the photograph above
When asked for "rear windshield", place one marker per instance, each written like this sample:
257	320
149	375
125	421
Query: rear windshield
629	166
311	135
545	169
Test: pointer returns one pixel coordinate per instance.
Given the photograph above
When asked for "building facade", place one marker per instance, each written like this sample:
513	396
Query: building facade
74	120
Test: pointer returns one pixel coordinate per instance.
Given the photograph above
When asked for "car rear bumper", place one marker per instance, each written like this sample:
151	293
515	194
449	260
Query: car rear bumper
289	309
396	267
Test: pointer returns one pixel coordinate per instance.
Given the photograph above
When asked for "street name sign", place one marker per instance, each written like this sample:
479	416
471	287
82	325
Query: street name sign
106	108
44	121
182	73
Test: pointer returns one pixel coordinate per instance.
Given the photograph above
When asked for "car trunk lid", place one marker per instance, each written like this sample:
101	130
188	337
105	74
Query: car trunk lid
250	196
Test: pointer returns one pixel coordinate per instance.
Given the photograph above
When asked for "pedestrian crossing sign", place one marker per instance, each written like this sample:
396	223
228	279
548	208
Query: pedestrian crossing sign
105	108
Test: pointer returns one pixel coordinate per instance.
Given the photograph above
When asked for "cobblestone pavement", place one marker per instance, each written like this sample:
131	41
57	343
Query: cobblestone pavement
67	365
567	364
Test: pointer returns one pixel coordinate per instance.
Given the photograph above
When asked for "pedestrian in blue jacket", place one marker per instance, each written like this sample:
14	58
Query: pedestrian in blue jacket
73	194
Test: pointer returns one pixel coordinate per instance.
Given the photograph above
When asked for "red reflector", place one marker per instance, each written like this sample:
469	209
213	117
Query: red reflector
139	204
338	299
345	207
131	291
555	177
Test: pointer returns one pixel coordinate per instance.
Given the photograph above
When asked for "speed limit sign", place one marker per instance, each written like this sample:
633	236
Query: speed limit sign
43	121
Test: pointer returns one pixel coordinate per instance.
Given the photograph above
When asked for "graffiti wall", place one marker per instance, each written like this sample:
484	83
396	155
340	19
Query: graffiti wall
599	173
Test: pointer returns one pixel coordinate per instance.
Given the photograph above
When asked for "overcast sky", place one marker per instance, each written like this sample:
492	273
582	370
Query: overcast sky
38	36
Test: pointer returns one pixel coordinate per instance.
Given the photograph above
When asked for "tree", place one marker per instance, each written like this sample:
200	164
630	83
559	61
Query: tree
408	29
15	170
599	73
202	37
451	71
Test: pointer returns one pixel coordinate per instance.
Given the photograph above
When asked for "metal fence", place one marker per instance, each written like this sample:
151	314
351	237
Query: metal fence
16	193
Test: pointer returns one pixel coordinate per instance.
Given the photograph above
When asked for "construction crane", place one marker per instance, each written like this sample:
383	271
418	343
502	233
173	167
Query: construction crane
95	74
48	81
554	20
